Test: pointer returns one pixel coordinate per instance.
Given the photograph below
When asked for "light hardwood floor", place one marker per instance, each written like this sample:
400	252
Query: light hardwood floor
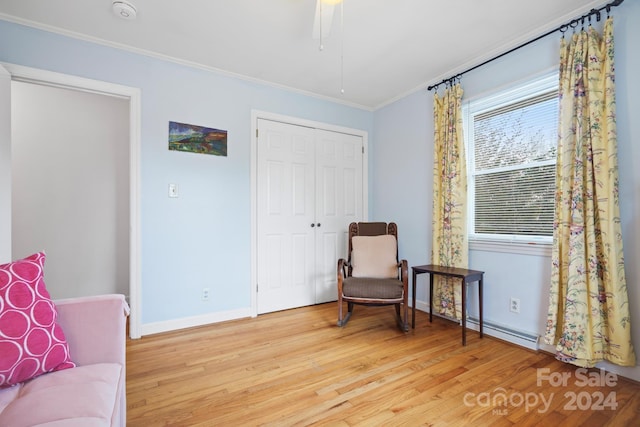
296	367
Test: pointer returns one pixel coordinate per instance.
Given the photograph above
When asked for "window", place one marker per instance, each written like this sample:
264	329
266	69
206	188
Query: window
511	142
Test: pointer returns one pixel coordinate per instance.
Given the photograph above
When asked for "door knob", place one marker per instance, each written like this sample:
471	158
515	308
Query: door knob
318	224
313	225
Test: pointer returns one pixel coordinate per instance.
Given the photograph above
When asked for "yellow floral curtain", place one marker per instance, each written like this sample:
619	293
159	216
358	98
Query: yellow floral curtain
588	318
449	245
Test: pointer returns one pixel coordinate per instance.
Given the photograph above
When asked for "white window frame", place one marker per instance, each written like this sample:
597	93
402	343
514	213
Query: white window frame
534	245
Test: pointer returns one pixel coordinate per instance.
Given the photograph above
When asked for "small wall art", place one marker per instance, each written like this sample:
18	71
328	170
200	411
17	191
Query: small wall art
197	139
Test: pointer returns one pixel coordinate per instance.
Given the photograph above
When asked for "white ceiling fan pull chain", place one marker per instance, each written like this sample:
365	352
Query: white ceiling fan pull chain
321	47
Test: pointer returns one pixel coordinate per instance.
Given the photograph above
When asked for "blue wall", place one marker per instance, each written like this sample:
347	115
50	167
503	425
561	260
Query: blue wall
201	239
403	159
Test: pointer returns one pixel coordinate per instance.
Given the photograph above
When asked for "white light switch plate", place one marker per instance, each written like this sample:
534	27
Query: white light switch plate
173	190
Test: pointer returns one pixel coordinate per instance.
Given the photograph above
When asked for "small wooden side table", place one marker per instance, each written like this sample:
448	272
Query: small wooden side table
467	276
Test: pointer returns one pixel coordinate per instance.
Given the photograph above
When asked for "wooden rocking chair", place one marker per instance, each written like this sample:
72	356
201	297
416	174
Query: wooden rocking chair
372	274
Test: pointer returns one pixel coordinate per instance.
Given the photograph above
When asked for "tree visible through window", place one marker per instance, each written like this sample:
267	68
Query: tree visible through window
512	141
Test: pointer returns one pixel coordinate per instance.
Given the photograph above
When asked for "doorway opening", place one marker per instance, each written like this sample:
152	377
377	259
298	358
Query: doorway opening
73	156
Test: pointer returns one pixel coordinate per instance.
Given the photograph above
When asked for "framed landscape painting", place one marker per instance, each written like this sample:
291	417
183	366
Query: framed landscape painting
197	139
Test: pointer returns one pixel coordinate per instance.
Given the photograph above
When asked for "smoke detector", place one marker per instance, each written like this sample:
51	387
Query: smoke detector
124	9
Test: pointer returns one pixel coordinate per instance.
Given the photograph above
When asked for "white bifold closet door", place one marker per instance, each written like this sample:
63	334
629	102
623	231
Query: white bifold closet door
310	187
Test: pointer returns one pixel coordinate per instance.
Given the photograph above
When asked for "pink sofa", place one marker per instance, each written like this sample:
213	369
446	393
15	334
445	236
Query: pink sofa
91	394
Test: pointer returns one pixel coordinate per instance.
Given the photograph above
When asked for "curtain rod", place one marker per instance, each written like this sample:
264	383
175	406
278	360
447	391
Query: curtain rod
562	28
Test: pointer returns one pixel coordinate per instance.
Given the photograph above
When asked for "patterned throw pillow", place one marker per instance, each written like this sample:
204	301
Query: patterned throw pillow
31	341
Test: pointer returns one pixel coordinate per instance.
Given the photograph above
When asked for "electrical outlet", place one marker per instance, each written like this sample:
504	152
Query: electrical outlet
514	305
205	294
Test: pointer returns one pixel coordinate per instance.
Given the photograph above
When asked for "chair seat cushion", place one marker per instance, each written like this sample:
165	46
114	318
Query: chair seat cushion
383	289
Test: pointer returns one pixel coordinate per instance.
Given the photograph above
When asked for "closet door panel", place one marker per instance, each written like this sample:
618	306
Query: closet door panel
309	188
286	212
338	203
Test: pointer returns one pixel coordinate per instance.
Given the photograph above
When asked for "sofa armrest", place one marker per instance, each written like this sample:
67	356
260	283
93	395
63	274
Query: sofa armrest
95	328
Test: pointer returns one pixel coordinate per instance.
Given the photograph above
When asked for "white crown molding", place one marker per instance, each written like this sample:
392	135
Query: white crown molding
162	57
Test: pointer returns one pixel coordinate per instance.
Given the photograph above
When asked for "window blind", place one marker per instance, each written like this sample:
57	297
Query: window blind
514	150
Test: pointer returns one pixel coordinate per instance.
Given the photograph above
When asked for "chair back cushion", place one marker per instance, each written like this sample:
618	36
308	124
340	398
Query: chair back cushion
375	257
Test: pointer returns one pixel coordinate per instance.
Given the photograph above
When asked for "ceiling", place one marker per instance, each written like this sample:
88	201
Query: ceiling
382	50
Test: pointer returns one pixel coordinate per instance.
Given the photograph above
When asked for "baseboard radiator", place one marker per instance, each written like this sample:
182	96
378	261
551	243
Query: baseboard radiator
506	333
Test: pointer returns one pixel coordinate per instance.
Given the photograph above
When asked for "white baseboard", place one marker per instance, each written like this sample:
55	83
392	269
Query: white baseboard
503	332
189	322
521	338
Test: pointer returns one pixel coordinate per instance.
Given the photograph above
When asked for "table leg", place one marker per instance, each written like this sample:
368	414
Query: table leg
413	307
480	302
464	313
431	297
